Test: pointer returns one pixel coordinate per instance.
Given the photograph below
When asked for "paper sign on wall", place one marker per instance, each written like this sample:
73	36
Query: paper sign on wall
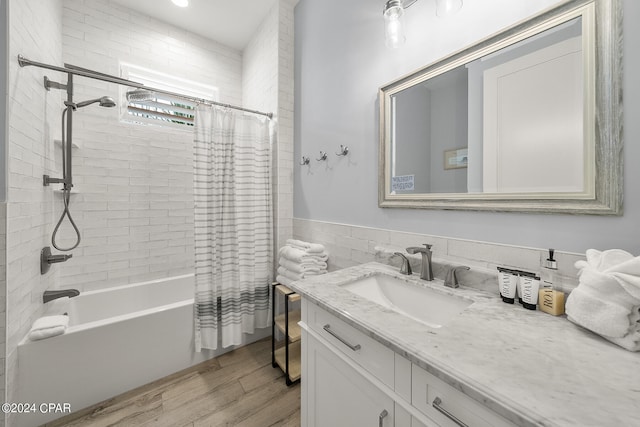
402	183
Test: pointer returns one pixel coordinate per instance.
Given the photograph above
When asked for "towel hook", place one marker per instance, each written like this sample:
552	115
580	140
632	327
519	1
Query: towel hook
323	156
344	150
305	160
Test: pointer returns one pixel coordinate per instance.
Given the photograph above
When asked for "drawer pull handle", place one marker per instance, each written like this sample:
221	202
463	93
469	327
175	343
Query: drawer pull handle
436	404
327	328
382	416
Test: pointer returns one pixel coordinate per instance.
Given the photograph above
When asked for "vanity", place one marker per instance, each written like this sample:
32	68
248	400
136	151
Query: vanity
488	364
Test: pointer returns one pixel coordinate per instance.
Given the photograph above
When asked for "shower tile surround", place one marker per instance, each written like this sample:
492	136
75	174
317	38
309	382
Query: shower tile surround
33	121
133	185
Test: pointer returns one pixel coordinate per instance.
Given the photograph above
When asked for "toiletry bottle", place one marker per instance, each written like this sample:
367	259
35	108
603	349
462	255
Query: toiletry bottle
530	284
550	300
507	284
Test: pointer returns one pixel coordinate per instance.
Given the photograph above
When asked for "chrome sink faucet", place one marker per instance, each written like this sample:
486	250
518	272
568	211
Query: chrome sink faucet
426	272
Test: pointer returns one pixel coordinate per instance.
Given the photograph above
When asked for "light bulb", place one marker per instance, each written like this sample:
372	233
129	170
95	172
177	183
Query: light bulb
181	3
394	26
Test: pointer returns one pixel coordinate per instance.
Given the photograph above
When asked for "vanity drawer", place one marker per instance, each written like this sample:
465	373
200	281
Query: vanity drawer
367	352
428	391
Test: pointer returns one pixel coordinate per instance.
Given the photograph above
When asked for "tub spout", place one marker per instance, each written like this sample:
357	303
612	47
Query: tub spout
51	295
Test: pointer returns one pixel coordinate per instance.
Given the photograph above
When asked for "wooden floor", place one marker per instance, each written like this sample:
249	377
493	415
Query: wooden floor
239	388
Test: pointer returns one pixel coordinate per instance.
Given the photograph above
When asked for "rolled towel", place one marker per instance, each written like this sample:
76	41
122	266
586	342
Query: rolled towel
607	298
305	267
306	246
299	256
48	326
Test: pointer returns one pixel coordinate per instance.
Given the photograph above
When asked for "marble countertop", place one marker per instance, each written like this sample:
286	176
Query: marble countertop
532	368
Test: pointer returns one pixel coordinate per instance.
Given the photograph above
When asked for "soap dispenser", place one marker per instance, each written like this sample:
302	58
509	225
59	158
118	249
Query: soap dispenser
549	270
550	300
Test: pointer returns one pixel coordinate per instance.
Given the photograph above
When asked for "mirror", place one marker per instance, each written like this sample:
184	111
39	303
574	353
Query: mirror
527	120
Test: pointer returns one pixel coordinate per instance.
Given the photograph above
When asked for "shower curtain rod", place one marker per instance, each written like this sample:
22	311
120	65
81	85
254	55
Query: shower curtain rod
84	72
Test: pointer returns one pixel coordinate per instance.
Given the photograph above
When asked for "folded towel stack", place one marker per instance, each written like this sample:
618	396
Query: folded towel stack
607	299
48	326
298	259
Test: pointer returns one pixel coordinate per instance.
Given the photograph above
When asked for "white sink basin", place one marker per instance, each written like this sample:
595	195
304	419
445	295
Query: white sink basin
425	305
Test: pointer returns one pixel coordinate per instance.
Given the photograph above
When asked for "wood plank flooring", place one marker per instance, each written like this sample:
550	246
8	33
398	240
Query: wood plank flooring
239	388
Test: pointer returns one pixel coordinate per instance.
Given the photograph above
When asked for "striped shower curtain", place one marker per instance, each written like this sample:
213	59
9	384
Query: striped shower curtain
233	225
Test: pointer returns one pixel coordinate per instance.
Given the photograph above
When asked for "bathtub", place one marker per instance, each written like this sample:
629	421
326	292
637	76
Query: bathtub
118	339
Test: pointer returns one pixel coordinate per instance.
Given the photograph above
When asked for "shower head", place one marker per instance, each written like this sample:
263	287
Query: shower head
140	95
105	101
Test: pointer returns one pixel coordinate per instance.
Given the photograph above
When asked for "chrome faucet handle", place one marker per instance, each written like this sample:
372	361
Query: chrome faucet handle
452	279
406	267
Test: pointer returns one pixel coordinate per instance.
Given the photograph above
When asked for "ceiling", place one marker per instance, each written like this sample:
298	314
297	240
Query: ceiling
230	22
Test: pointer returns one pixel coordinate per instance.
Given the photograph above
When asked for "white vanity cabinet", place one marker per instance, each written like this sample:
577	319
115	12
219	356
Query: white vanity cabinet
352	380
338	395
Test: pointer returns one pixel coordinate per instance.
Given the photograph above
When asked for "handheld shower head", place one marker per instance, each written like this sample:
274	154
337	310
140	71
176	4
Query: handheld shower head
105	101
140	95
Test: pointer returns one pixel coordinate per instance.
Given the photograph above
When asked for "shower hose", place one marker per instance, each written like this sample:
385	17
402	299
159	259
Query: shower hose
66	197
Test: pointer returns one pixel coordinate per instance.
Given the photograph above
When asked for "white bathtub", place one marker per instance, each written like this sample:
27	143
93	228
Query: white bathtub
118	339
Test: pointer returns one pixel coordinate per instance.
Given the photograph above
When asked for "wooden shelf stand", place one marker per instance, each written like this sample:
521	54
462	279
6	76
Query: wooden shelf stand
285	354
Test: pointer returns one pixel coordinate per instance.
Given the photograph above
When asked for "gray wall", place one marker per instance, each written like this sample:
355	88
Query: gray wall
412	139
341	61
448	131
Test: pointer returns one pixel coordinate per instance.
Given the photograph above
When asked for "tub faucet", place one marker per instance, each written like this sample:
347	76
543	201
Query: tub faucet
51	295
406	267
426	272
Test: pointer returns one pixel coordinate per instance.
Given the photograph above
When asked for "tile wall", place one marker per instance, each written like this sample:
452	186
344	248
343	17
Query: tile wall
268	86
35	30
350	245
134	202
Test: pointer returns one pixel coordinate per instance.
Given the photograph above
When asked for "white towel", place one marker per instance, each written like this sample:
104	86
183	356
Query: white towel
307	266
607	299
300	256
296	276
48	326
283	280
306	246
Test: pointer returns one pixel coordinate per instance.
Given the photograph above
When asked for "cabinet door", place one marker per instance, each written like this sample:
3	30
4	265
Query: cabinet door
338	396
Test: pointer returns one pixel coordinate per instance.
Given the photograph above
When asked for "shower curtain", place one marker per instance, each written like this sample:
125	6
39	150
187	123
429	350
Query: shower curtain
233	225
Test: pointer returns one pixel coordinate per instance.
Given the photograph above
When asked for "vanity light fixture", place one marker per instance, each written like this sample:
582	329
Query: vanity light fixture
181	3
394	18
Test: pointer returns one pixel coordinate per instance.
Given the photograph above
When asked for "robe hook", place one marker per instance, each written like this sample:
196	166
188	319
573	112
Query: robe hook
344	150
305	160
323	156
